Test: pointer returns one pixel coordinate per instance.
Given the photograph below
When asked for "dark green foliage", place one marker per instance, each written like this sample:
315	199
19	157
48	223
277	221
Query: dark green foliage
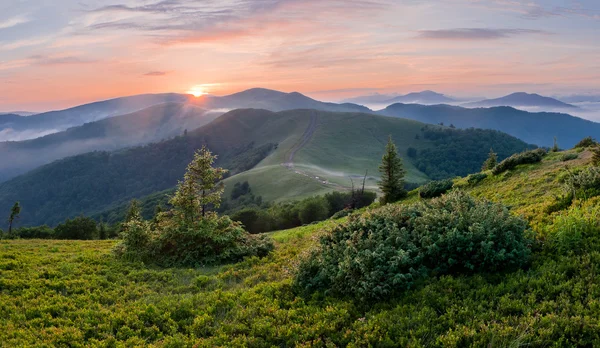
555	147
254	220
313	209
240	189
586	142
392	175
527	157
584	184
37	232
435	188
460	152
569	157
382	253
475	179
596	155
81	227
411	152
15	212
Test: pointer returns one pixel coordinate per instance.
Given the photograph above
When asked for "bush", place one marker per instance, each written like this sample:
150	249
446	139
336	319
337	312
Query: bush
80	227
37	232
313	209
527	157
475	179
212	240
342	213
254	220
586	142
435	188
569	157
585	183
383	252
575	230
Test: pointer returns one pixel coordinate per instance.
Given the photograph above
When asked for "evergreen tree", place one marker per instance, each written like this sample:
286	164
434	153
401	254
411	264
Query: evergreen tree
201	186
15	211
392	174
555	147
596	155
102	232
491	161
133	212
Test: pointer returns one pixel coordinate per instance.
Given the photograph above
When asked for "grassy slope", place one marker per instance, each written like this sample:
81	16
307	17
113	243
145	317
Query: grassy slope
59	292
343	145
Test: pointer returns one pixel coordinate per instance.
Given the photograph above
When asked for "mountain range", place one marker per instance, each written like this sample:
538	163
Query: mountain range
522	99
284	155
424	97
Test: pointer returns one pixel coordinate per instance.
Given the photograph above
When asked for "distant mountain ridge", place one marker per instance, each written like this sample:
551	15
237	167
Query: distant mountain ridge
424	97
522	99
538	128
152	124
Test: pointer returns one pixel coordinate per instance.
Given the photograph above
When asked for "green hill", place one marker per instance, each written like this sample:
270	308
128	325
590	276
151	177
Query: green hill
84	296
307	152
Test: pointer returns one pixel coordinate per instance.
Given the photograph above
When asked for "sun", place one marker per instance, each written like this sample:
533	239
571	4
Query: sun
197	91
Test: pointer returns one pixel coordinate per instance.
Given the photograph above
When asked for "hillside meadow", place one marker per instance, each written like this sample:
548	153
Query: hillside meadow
76	293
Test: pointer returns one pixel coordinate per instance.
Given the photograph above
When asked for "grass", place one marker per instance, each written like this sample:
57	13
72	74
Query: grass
75	293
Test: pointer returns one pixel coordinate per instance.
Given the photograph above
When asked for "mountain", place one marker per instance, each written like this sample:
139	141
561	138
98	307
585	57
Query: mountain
20	113
535	128
145	126
258	98
55	121
261	98
521	99
371	99
284	155
581	98
425	97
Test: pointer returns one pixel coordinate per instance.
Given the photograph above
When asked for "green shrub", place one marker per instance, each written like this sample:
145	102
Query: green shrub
584	184
527	157
383	252
576	230
586	142
435	188
475	179
37	232
81	227
313	209
569	157
342	213
254	220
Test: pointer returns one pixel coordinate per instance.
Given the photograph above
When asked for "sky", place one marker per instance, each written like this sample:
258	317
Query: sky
60	53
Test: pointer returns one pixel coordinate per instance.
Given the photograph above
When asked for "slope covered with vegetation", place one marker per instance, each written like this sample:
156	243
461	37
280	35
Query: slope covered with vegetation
292	154
78	293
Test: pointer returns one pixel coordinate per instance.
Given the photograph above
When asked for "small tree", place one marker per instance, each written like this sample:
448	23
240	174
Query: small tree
15	211
555	146
491	161
200	188
392	174
596	155
133	212
102	232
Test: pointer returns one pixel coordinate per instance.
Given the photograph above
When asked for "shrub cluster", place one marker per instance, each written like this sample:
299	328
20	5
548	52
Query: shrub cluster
383	252
475	179
569	157
575	230
586	142
294	214
435	188
584	184
527	157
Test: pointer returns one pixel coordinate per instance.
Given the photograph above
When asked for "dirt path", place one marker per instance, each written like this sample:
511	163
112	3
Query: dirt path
308	133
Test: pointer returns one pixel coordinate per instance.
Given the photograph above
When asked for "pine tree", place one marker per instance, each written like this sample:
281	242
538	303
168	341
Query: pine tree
102	233
133	212
491	161
15	211
596	155
392	174
201	186
555	147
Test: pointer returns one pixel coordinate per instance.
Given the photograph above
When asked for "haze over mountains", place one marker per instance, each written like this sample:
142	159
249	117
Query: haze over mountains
521	99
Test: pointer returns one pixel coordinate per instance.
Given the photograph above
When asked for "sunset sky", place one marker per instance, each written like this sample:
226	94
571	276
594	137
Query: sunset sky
55	54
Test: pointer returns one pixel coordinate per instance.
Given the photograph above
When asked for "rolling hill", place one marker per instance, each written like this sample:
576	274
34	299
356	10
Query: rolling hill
534	128
145	126
425	97
521	99
284	155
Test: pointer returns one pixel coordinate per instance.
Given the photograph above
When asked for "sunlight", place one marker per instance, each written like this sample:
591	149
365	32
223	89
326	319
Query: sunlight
197	91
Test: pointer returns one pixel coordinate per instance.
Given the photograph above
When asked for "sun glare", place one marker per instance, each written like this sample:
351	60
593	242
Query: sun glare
197	91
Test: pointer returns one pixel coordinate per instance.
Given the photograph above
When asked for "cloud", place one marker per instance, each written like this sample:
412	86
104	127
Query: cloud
14	21
156	73
475	33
